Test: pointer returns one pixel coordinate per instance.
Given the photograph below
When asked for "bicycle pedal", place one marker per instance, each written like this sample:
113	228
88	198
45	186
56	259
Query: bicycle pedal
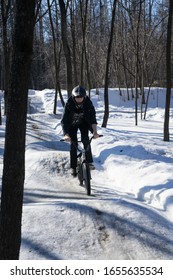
92	167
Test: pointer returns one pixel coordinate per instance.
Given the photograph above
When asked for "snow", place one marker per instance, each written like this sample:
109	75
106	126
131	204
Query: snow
129	215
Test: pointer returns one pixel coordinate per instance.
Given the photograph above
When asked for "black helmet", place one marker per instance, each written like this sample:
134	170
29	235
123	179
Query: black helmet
78	92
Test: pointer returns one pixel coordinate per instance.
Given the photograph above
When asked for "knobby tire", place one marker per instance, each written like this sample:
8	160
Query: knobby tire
87	178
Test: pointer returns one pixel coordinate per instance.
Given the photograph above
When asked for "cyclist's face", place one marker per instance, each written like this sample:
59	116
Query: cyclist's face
79	100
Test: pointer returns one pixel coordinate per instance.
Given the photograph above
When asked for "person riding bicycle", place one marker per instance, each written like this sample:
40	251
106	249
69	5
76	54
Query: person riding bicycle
79	113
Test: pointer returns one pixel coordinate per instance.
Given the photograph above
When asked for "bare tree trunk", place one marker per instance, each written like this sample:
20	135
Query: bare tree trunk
57	83
84	16
137	60
106	98
76	79
168	72
14	156
152	79
5	10
66	46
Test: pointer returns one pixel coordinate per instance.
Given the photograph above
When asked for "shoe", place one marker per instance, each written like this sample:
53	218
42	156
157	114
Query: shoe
91	166
73	172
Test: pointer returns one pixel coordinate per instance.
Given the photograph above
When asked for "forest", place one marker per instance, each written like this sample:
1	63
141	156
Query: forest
59	44
72	38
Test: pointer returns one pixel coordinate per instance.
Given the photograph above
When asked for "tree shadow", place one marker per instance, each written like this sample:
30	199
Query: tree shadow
52	196
39	250
1	152
49	145
157	237
129	221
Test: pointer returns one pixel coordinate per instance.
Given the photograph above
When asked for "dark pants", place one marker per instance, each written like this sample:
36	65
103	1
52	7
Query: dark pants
85	140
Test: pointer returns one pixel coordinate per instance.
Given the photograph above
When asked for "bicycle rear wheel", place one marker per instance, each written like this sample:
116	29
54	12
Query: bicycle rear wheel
86	177
80	174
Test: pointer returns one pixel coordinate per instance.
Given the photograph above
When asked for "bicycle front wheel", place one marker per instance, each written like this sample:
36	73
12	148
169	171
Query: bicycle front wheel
87	178
80	175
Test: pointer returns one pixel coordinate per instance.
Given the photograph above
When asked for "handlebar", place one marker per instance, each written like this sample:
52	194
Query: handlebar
92	137
80	151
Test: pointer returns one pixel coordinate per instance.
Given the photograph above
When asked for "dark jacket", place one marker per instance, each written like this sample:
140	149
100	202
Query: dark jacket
75	115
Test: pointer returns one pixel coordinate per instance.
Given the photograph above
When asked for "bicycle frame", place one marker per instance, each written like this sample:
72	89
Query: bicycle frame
81	150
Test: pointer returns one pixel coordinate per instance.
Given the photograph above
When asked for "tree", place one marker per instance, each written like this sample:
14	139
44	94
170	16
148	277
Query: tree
56	62
6	11
84	15
138	47
106	99
66	47
168	72
14	155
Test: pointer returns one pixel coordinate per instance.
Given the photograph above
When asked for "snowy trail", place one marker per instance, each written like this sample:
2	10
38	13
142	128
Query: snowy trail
97	231
107	225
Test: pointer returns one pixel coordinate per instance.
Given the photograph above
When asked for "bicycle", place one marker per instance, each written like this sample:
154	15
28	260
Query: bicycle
83	169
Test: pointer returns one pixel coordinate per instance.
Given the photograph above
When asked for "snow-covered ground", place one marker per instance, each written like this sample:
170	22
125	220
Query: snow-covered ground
129	215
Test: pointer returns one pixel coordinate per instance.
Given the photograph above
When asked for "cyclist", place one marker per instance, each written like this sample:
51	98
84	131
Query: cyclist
79	114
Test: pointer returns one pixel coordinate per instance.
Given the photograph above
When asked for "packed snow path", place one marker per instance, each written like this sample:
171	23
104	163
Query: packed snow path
61	222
